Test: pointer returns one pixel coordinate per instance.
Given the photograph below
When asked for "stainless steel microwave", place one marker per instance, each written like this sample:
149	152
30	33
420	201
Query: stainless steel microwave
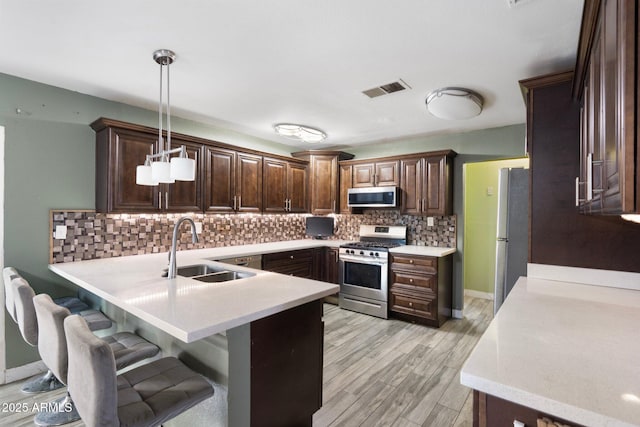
372	197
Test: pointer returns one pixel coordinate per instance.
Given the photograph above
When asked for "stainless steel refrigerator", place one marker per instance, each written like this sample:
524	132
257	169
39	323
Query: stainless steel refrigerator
512	246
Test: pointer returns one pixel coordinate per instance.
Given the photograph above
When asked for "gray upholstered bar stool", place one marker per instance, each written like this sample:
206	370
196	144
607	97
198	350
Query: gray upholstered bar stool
127	348
75	305
145	396
19	301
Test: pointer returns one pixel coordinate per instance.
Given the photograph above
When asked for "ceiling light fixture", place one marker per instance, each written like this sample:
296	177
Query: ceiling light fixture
454	103
165	169
299	132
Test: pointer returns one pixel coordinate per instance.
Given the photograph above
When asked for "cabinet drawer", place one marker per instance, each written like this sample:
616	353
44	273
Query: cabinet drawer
427	282
294	269
422	263
414	304
270	261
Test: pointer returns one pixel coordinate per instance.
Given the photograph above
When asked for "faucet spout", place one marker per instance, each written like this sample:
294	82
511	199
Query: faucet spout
174	243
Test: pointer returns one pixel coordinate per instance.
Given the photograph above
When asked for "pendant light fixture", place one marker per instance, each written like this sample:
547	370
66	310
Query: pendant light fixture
160	167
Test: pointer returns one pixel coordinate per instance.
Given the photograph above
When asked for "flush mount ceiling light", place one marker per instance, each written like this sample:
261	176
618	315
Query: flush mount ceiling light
165	169
454	103
299	132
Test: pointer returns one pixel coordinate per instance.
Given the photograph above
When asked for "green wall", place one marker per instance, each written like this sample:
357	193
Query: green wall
49	164
481	214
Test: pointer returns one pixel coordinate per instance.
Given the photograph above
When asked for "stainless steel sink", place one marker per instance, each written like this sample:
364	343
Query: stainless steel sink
223	276
209	274
198	270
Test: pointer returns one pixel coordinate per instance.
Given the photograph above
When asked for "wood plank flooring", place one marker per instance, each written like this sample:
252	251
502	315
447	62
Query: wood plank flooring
391	373
376	373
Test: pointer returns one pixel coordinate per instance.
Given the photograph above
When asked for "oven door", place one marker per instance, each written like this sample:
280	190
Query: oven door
363	278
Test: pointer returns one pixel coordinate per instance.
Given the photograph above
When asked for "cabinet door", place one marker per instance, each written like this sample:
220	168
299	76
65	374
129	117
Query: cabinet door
249	182
274	191
435	190
411	185
127	150
386	174
220	179
297	185
324	184
364	175
186	196
331	266
345	184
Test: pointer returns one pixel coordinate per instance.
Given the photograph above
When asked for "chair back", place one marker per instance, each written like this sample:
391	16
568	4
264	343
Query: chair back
25	312
52	343
92	375
8	274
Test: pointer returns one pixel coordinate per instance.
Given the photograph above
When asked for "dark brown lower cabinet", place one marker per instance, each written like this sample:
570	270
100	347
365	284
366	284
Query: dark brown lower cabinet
420	288
490	411
286	367
300	263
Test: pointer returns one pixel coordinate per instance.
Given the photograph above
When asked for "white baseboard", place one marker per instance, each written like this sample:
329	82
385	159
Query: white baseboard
478	294
24	371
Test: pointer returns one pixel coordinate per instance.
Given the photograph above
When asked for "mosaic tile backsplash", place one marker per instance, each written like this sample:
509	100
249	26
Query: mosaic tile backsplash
92	235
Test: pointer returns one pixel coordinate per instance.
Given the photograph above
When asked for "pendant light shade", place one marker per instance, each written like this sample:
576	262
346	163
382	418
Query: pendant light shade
183	169
143	175
161	172
160	167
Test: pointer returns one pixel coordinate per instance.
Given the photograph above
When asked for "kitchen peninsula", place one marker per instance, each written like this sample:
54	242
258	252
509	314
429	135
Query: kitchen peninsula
272	322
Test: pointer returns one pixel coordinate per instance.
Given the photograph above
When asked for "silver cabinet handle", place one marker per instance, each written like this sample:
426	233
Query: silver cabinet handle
234	203
285	204
578	199
589	176
334	205
160	200
239	202
166	200
289	205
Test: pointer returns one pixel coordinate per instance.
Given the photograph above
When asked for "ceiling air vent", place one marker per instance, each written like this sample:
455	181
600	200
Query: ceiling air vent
386	89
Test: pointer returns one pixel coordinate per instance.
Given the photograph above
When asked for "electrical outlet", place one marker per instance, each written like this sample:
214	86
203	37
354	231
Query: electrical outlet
489	191
198	227
429	221
60	232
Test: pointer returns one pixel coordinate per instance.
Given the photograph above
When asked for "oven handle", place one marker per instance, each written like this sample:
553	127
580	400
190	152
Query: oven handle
361	261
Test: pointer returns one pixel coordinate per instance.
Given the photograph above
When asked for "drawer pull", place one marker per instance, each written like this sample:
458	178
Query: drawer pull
290	256
410	304
410	261
410	280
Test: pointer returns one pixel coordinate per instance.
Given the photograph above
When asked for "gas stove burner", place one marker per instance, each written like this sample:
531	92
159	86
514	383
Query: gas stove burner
381	246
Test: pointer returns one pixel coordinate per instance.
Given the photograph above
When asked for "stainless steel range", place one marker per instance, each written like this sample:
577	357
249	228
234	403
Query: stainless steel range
364	269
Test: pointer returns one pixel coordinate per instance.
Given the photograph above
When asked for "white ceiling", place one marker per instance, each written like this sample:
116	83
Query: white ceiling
248	64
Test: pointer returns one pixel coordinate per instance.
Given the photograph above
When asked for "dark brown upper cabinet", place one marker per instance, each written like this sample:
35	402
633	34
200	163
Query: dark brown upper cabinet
233	181
606	85
284	186
378	174
346	182
324	179
120	148
427	184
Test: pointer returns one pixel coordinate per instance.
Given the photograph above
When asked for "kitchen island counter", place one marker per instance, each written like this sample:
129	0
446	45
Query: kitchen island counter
189	309
565	349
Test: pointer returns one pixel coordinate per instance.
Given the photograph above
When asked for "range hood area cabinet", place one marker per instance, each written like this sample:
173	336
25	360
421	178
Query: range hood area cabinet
375	174
606	85
120	147
324	179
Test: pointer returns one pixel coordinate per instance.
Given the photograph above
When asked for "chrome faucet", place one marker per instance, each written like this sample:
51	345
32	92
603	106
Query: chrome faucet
174	243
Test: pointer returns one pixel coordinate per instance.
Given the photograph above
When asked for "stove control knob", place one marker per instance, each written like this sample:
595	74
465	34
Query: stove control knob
361	252
370	253
377	254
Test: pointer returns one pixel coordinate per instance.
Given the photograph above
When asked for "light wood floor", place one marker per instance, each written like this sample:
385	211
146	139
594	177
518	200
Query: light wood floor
391	373
376	373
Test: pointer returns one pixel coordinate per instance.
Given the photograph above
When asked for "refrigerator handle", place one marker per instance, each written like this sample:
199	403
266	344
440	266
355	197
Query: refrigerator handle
502	239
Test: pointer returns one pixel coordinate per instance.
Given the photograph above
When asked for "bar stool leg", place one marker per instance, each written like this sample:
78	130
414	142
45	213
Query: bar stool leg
60	411
41	384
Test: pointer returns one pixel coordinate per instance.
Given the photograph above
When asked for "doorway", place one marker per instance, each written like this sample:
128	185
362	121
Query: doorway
480	201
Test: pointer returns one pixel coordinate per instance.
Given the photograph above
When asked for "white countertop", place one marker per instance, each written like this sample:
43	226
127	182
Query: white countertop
423	250
189	309
566	349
